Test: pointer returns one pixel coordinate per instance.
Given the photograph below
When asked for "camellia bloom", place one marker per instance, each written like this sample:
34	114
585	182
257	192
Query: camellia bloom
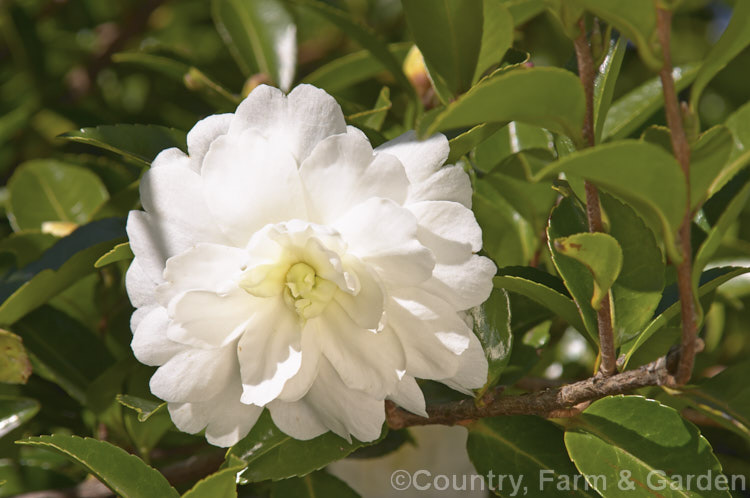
284	263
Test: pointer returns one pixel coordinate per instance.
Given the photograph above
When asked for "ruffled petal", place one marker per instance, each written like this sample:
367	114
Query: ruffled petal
269	354
409	396
200	137
298	385
195	374
204	319
463	285
446	223
150	343
384	235
342	171
294	123
449	183
365	360
421	158
250	183
366	307
297	419
472	369
140	286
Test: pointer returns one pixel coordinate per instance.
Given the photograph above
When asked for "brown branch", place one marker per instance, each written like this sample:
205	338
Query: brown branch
681	150
563	401
593	208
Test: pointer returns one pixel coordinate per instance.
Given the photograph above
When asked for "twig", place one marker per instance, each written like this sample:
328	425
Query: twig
593	208
681	150
562	401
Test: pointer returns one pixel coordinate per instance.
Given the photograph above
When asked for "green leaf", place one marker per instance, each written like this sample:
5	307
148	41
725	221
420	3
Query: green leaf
708	158
735	38
468	140
518	95
126	475
71	258
14	412
643	175
221	484
636	20
605	82
637	291
261	35
629	440
630	111
510	139
568	219
353	68
545	289
669	307
144	407
497	36
317	484
523	10
45	190
15	367
739	156
449	35
140	143
600	254
26	246
271	454
361	34
525	448
120	252
492	327
375	117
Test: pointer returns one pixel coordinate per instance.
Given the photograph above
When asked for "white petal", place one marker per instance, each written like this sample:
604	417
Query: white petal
296	419
298	385
383	234
421	158
342	171
269	354
463	285
409	396
366	307
150	342
446	221
295	123
140	285
194	374
200	137
365	360
249	183
209	267
449	183
343	410
472	370
204	319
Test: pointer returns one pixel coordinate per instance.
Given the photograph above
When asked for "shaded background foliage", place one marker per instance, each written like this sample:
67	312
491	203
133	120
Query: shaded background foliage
71	64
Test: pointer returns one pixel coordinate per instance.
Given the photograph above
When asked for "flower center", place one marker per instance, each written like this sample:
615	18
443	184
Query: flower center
305	292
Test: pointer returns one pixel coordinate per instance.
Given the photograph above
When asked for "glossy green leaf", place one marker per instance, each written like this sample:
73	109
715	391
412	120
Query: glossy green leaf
492	327
637	291
71	258
497	36
140	143
599	253
567	13
523	10
545	289
361	34
604	84
568	219
739	157
640	448
120	252
669	307
14	412
735	38
125	474
517	95
15	367
221	484
313	485
374	118
46	190
468	140
636	20
449	35
708	158
261	35
644	175
144	407
631	110
530	452
271	454
510	139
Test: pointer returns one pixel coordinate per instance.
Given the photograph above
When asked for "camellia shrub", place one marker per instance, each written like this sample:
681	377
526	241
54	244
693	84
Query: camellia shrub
251	247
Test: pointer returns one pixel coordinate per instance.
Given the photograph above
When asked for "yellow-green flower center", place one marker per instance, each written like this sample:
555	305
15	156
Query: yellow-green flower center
305	292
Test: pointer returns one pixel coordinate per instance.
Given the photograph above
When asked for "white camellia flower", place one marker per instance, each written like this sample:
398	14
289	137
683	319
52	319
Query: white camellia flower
283	263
